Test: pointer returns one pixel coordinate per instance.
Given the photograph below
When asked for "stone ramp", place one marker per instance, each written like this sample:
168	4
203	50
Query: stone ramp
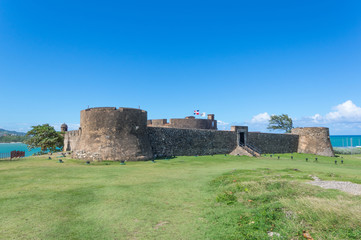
241	151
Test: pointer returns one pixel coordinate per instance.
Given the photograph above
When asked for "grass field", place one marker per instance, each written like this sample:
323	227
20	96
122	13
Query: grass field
205	197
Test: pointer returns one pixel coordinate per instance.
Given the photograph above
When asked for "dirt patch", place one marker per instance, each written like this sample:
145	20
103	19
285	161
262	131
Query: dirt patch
160	224
349	187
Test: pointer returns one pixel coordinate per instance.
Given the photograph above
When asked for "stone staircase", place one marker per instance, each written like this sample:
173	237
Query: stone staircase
244	151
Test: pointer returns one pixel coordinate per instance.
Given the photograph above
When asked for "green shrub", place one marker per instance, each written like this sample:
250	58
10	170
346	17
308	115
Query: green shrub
226	197
261	201
347	151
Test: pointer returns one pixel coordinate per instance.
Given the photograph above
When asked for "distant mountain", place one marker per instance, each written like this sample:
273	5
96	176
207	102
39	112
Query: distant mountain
11	133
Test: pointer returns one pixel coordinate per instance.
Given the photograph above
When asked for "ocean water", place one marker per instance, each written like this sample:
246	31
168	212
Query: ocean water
8	147
346	140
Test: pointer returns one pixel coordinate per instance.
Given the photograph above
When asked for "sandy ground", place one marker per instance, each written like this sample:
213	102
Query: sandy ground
348	187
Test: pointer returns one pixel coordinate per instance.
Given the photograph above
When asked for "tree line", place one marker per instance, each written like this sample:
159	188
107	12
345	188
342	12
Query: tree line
13	138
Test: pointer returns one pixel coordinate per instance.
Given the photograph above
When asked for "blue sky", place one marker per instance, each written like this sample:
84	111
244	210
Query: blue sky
241	60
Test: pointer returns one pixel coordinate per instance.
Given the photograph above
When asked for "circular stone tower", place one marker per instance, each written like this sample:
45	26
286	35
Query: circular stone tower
113	134
314	140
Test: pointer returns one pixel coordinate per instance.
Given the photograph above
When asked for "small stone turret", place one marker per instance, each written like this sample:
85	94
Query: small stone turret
64	127
314	140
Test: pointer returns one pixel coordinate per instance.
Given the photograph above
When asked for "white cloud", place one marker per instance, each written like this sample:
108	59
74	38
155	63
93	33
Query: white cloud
19	127
25	127
345	112
220	122
316	118
258	122
344	119
261	118
222	125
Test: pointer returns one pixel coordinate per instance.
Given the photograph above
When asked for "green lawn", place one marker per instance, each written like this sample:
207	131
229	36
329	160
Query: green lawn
205	197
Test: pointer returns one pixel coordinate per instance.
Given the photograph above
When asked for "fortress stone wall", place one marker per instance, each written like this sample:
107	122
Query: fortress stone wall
125	134
189	142
274	143
71	139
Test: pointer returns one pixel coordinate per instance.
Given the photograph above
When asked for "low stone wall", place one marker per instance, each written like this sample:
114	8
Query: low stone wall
158	122
274	143
188	122
188	142
194	123
71	140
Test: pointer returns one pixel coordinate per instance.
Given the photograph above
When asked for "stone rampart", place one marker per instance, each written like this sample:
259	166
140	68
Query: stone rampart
273	143
126	134
314	140
188	122
71	139
192	123
189	142
158	122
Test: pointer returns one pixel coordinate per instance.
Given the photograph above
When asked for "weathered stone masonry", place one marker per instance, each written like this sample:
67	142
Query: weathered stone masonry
112	134
188	122
274	143
186	142
314	140
71	139
126	134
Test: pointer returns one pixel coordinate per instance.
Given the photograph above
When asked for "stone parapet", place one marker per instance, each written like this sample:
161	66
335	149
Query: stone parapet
188	122
71	139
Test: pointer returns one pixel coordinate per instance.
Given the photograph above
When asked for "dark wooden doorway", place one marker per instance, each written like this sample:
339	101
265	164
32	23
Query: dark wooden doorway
241	138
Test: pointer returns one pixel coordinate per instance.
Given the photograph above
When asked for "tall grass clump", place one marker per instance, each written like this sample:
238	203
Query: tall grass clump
264	203
347	151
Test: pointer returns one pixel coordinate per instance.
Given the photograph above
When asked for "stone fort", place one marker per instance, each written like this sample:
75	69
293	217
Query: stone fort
126	134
